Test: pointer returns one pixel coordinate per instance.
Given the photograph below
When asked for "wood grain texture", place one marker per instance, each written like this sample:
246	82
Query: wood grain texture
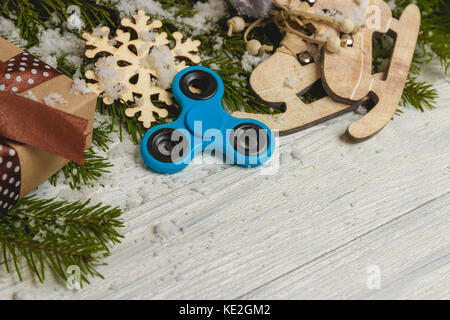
389	91
268	81
280	80
413	259
309	231
347	75
135	53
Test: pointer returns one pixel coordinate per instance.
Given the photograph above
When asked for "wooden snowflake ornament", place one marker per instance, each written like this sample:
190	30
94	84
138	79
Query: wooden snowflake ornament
138	69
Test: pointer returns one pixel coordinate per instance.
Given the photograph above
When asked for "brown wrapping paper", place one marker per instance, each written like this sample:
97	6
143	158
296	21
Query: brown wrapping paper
37	165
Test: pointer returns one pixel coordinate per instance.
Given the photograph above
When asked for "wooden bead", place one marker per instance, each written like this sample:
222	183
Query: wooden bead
333	44
347	26
235	24
253	47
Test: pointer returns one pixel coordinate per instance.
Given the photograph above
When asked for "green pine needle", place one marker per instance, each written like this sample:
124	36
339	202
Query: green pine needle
94	165
30	15
184	7
100	136
117	113
58	234
434	42
419	94
84	174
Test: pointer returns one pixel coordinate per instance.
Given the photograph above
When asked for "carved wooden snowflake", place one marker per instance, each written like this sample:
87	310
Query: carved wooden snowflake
138	73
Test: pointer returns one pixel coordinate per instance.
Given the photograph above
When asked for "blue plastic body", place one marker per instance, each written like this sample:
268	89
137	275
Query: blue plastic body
207	126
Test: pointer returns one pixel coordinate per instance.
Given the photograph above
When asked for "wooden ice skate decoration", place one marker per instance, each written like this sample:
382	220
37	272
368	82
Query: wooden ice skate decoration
347	75
345	72
279	80
288	73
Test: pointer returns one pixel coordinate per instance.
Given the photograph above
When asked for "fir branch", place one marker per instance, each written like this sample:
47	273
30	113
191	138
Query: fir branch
224	59
83	174
184	8
117	113
100	136
433	43
67	69
419	94
58	234
236	95
94	165
30	15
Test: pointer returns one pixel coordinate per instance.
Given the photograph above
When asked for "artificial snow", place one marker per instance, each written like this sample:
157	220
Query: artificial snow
330	32
249	62
313	51
7	28
208	13
129	8
53	98
54	20
139	101
214	66
357	13
253	8
99	32
164	62
74	22
165	229
218	44
109	78
296	153
79	87
53	43
74	61
148	35
361	110
30	95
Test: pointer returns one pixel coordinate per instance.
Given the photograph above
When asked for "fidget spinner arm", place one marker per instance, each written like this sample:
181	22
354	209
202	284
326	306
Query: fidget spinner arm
204	125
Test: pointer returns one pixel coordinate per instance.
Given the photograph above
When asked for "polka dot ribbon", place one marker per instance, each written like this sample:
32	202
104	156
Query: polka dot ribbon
23	72
26	121
9	177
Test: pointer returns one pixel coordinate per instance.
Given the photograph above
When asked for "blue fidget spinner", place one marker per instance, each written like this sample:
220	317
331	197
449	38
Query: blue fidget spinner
204	125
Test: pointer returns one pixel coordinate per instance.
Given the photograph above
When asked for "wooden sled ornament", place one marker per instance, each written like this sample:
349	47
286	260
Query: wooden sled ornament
346	76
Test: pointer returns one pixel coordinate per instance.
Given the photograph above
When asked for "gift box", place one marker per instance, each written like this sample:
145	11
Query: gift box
37	140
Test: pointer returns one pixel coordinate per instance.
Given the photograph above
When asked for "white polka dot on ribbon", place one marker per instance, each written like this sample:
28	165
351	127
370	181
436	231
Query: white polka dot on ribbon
9	177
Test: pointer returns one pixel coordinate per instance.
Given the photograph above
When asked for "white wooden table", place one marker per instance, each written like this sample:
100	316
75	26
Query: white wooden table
333	217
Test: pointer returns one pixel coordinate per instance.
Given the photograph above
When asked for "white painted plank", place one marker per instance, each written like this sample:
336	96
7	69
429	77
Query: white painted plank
411	253
242	230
